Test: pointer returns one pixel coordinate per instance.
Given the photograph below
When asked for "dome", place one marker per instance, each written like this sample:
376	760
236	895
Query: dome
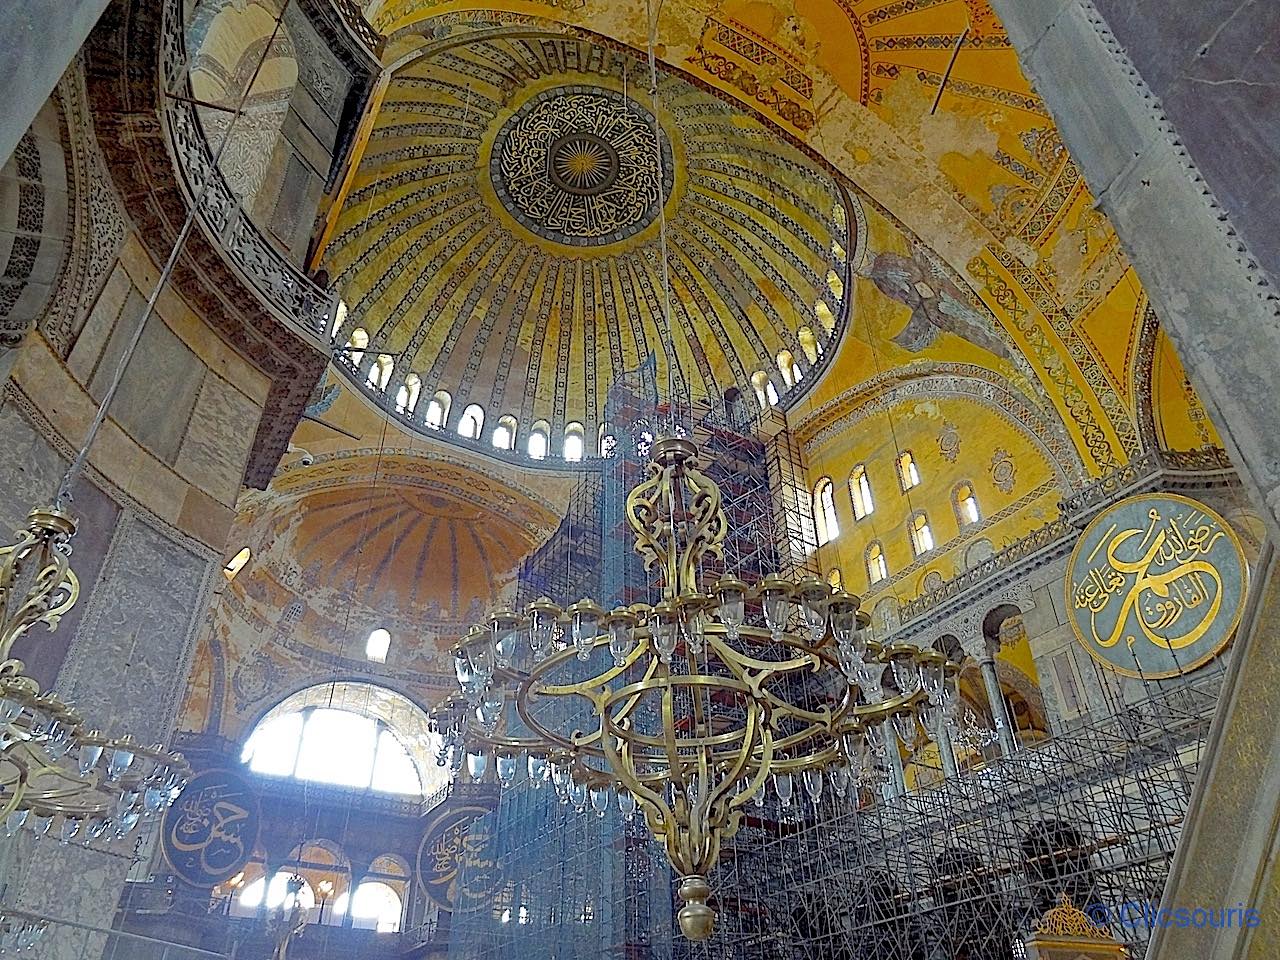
501	240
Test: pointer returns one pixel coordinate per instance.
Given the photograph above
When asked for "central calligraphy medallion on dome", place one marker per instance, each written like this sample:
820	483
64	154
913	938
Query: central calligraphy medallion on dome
579	165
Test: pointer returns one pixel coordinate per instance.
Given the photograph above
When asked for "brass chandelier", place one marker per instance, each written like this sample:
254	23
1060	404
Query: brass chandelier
686	709
57	776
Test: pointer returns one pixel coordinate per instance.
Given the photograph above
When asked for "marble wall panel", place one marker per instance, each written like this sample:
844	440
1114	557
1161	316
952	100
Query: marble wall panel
129	659
160	384
29	473
215	447
1216	68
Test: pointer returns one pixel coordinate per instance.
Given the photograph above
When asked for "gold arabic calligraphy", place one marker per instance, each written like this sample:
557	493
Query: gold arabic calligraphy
561	135
460	854
209	829
1158	579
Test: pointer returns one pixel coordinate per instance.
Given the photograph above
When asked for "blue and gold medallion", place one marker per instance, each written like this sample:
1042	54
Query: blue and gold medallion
210	833
1156	586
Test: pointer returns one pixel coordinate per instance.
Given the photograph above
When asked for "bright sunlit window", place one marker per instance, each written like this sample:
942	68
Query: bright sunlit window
377	646
438	409
504	434
538	440
824	511
277	893
375	906
573	442
966	504
407	395
339	747
860	492
877	569
471	423
908	475
921	535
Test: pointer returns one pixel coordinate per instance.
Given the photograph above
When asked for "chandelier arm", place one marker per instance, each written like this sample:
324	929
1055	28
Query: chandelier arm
16	788
739	662
580	686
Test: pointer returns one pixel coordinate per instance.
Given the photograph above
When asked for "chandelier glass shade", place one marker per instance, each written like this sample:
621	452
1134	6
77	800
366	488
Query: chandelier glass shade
58	777
690	708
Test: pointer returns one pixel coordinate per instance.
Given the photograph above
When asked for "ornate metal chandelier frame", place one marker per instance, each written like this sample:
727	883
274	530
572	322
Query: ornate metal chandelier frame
54	769
697	708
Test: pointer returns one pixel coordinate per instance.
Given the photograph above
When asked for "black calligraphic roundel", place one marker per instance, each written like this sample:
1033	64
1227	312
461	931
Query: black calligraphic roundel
457	860
210	833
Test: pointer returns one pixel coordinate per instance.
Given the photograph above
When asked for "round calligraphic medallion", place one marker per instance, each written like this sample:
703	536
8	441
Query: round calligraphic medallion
1156	586
210	833
579	165
457	859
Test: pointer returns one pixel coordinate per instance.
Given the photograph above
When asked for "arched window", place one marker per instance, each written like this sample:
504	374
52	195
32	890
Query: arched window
539	438
787	367
574	443
407	395
908	475
348	734
236	564
921	535
375	906
438	409
835	284
808	343
877	570
278	892
771	393
356	345
377	646
339	318
380	372
504	434
760	383
860	492
824	511
966	504
824	315
471	423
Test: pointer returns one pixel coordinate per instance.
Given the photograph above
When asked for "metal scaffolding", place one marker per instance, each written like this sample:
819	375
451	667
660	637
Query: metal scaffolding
963	870
958	869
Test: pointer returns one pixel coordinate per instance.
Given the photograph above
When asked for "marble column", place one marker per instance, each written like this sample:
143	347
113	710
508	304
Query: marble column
38	42
1215	298
946	751
999	709
896	786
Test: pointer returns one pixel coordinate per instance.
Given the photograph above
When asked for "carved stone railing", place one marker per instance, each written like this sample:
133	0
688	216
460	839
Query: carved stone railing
1195	470
353	16
280	284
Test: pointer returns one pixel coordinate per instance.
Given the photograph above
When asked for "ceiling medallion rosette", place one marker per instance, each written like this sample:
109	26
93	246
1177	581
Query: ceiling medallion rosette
576	165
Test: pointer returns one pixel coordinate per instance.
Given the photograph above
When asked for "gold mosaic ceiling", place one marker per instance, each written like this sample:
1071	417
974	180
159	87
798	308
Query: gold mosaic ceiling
501	237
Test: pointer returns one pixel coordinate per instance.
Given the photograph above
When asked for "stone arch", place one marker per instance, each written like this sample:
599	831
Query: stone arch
35	223
965	381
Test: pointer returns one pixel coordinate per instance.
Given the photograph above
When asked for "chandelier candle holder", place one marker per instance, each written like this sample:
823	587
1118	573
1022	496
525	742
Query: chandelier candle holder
688	709
58	777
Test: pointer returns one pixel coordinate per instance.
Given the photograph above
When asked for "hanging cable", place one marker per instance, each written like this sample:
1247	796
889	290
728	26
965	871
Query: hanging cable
668	342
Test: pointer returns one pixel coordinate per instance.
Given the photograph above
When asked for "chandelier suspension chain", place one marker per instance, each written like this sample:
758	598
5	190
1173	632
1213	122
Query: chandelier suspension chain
654	10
